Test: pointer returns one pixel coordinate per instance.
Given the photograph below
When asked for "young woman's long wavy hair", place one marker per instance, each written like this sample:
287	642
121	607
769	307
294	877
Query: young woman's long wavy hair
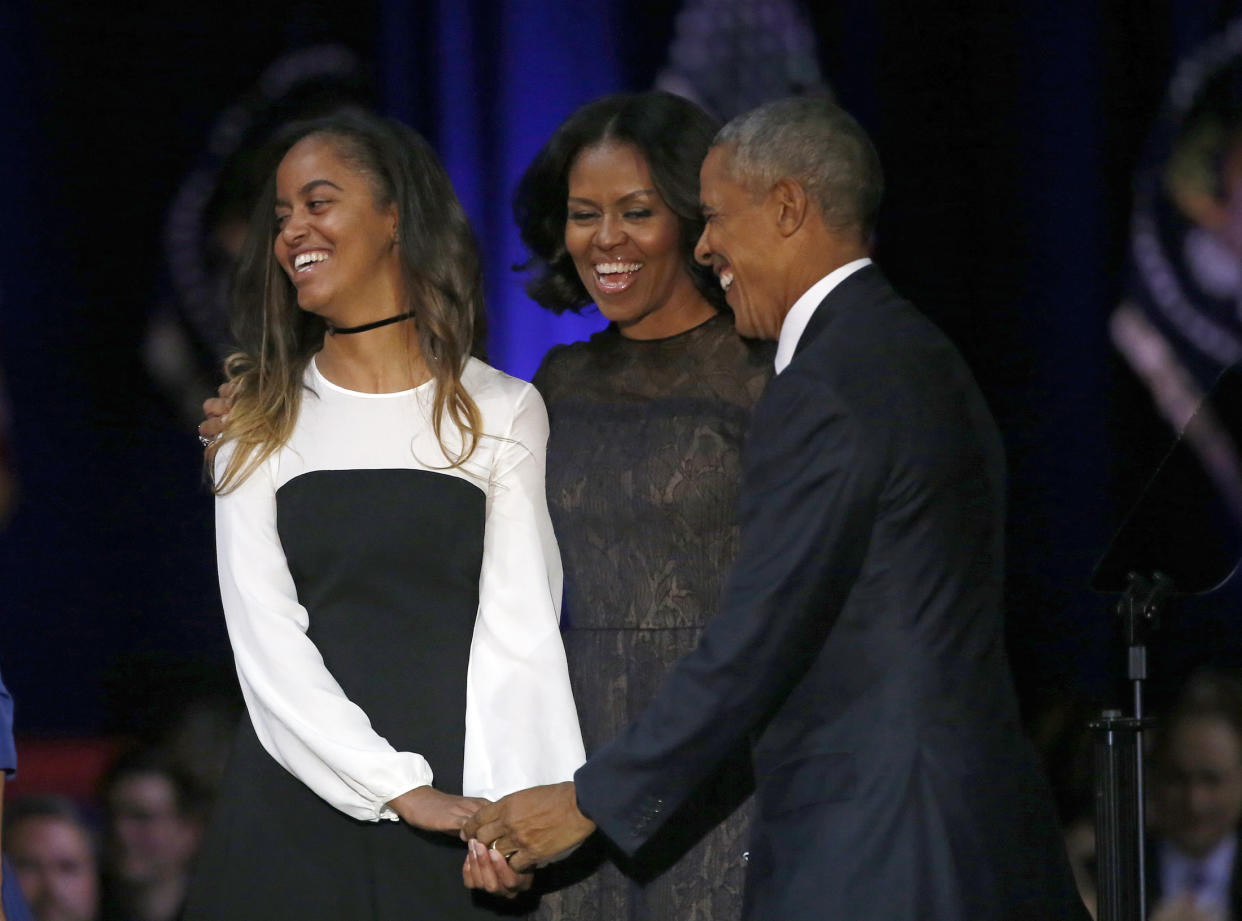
440	268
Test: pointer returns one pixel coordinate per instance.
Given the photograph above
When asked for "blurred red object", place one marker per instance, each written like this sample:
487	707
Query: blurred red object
67	766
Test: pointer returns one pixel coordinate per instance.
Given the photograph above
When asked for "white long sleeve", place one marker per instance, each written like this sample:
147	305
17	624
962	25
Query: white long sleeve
518	697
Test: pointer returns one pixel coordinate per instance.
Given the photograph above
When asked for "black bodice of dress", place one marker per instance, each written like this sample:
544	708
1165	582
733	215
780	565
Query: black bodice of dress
388	560
644	463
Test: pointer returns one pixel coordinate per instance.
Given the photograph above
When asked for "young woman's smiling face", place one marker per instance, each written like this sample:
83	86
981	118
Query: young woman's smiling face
625	243
336	243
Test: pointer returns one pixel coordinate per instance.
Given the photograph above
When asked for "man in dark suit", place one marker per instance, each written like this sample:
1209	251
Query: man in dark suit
1192	858
859	644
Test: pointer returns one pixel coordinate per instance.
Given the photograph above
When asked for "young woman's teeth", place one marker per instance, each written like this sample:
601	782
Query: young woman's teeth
726	280
302	260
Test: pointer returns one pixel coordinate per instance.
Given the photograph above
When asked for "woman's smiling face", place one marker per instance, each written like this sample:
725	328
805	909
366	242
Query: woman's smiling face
626	245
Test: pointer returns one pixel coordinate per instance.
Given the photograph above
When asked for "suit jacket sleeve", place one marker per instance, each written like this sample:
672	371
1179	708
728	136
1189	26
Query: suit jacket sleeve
809	497
8	751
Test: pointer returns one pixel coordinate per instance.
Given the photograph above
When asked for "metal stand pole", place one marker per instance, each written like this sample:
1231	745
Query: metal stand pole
1118	755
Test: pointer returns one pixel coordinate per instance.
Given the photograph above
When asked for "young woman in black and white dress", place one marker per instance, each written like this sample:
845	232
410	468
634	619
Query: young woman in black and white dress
389	576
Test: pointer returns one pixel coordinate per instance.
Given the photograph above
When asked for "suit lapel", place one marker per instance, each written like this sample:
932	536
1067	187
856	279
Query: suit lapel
863	285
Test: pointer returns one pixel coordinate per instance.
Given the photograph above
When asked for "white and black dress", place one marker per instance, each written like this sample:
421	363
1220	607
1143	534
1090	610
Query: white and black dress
390	617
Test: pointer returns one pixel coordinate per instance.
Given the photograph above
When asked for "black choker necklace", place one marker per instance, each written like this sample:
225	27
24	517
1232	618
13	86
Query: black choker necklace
346	330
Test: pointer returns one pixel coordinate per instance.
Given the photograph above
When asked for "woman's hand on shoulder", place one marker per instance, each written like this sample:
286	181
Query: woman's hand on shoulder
429	809
216	409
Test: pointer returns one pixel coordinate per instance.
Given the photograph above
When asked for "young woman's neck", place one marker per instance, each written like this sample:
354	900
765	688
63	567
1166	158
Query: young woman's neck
386	359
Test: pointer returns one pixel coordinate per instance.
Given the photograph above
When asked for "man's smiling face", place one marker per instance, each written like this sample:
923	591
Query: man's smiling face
739	243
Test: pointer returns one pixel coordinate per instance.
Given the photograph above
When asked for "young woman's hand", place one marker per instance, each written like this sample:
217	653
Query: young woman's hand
429	809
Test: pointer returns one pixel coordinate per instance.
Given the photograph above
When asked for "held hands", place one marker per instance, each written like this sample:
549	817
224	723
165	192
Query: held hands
531	826
524	828
486	868
429	809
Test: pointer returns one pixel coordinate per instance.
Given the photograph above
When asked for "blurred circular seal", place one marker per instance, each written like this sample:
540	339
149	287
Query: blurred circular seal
1180	323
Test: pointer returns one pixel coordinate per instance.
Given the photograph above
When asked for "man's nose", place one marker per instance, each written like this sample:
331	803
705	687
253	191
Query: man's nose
1200	799
703	250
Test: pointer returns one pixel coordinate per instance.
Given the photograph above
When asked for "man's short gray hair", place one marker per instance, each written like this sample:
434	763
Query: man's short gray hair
817	143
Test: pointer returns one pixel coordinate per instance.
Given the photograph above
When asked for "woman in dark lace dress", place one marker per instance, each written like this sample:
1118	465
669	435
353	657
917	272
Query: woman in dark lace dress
644	460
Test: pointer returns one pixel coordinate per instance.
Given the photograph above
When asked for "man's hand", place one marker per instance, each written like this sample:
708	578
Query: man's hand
216	409
488	870
531	826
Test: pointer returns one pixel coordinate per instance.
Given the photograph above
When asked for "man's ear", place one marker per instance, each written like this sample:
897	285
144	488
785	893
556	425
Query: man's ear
790	203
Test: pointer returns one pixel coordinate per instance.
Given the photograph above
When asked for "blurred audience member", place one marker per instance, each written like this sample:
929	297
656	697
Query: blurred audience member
199	740
1192	873
53	855
155	817
185	707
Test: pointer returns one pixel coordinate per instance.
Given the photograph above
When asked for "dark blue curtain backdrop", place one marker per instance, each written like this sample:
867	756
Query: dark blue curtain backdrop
1009	133
503	76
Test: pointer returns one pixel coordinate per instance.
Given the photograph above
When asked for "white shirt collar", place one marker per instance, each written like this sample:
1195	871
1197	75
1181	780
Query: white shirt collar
804	307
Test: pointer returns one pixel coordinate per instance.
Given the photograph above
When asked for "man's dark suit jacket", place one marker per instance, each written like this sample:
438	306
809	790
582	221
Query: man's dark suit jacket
859	648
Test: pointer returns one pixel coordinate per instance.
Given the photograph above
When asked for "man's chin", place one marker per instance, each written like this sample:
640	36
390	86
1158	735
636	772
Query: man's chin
750	331
742	324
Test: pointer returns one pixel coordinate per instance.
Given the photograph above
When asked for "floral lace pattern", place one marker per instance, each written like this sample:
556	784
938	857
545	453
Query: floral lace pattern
644	465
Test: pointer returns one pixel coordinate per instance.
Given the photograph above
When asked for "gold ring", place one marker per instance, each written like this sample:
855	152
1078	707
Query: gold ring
507	854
